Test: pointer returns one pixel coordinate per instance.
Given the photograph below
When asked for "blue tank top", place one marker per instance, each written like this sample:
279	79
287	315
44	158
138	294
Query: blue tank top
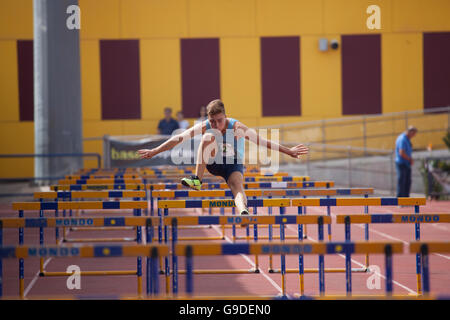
238	144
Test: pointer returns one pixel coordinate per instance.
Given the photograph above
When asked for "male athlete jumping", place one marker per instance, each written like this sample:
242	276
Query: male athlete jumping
219	156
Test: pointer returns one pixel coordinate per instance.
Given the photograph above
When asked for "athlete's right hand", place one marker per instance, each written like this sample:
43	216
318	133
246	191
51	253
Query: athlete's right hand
147	153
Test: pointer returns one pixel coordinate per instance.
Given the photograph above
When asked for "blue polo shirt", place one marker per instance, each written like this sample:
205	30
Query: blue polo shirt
167	127
402	142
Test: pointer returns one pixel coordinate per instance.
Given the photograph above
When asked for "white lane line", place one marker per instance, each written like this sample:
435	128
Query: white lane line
396	239
272	282
361	265
36	277
439	226
443	256
333	215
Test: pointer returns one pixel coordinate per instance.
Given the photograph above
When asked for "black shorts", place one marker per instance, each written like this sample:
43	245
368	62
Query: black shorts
224	169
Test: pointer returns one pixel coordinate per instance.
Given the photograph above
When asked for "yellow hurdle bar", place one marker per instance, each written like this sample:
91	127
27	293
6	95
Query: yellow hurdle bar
432	246
87	205
79	222
99	181
260	192
145	250
220	203
71	187
89	194
256	219
396	218
359	202
249	185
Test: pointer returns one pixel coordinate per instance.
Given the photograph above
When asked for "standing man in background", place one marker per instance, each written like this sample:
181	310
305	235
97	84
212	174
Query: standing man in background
404	161
183	123
168	124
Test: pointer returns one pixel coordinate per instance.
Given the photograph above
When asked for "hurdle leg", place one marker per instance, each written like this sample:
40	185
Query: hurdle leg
21	261
300	257
166	258
174	258
222	212
139	259
149	239
329	225
418	260
321	259
154	271
233	212
41	240
255	237
1	262
189	271
425	270
152	210
388	263
56	229
160	238
305	226
283	257
366	232
348	261
270	239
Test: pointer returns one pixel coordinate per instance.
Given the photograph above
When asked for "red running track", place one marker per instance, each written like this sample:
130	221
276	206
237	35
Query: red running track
264	283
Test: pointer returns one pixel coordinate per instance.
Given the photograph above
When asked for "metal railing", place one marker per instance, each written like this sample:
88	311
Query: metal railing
50	155
370	131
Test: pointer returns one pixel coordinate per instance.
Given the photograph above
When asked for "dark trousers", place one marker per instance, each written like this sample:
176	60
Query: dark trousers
403	180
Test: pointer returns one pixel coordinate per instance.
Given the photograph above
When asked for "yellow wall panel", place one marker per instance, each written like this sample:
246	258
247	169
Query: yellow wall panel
402	72
153	18
139	127
101	128
92	147
240	77
320	79
214	18
350	16
90	79
419	15
16	19
17	137
160	77
289	17
100	19
9	83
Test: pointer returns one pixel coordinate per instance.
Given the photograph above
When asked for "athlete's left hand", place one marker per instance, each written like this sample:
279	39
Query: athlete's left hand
298	150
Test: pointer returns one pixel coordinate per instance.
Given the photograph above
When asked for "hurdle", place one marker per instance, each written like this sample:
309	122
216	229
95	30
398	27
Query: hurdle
424	249
365	202
137	207
165	205
69	195
153	252
148	175
282	220
415	218
248	185
174	222
260	193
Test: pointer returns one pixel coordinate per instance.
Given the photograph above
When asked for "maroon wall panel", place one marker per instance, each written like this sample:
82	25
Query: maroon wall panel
25	74
280	73
361	74
436	69
200	74
120	79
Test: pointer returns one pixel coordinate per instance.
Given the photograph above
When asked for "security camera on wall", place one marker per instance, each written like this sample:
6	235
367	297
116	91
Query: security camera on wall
334	44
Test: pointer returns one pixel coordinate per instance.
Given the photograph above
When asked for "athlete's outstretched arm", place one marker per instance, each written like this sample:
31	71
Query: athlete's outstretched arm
242	130
199	128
